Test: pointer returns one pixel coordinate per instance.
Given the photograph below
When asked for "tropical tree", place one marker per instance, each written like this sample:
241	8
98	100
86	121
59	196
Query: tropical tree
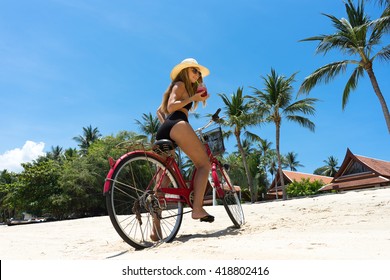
8	197
358	38
70	153
89	136
149	125
330	169
292	162
275	104
238	118
55	153
38	184
238	175
82	178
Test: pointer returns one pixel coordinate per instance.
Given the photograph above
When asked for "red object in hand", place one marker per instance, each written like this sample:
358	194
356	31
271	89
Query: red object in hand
200	89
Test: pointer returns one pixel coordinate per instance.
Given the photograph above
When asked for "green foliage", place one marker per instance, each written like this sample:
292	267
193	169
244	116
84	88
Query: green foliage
304	187
82	178
37	183
61	184
9	194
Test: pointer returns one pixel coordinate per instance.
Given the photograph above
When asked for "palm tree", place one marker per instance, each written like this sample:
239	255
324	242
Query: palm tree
275	104
89	136
238	118
55	154
149	125
330	169
352	37
292	162
70	153
267	155
247	145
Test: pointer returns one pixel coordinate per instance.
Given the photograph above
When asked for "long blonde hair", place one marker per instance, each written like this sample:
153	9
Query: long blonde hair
190	87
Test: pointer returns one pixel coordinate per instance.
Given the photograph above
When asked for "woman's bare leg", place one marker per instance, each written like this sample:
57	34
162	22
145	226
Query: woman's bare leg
156	233
185	137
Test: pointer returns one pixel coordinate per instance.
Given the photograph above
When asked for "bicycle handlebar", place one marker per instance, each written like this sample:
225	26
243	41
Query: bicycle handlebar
214	118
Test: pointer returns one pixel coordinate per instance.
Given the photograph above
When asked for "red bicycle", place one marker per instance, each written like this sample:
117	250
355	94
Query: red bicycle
147	184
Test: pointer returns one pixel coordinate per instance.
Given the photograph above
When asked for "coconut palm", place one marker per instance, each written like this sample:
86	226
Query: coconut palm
70	153
275	104
56	153
149	125
357	38
330	169
238	118
89	136
292	162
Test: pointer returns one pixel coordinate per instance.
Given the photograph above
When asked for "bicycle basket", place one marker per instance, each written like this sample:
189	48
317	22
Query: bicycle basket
214	139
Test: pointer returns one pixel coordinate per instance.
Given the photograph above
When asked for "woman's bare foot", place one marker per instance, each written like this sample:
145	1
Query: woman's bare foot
201	214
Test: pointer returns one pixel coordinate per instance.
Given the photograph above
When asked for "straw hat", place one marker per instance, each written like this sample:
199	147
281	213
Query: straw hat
188	62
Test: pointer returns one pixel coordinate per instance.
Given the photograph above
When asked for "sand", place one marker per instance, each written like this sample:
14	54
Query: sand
354	225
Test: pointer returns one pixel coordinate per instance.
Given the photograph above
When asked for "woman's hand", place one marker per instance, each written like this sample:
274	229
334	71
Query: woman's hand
200	96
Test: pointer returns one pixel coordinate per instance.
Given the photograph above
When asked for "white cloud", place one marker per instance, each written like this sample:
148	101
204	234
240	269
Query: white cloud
12	159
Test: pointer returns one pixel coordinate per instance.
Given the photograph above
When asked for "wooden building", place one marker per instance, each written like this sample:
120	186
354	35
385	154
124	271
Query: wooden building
358	172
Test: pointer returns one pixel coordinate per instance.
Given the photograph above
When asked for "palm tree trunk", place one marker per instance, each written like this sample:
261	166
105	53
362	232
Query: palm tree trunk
248	175
280	162
379	94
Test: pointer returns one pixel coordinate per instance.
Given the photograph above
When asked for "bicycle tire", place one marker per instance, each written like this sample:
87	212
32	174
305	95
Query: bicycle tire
129	201
230	200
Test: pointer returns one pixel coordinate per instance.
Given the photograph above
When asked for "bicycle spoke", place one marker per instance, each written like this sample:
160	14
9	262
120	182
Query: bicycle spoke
230	198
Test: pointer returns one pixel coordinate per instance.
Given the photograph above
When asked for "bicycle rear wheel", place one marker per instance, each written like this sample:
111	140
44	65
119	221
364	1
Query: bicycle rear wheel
230	200
134	204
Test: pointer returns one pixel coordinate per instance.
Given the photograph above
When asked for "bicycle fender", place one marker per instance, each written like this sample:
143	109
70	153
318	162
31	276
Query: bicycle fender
113	165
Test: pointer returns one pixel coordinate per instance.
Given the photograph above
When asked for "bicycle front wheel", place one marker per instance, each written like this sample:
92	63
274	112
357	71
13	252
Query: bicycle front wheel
139	213
230	200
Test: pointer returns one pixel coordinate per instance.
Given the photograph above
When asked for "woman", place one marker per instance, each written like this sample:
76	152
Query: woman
180	97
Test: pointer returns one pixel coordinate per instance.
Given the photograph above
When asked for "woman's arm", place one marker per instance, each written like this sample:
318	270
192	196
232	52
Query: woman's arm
178	98
160	115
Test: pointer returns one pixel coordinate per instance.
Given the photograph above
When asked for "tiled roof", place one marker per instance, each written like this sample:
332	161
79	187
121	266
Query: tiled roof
379	174
357	184
380	166
298	176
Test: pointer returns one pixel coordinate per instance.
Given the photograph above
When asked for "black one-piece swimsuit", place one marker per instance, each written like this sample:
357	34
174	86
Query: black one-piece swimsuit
165	128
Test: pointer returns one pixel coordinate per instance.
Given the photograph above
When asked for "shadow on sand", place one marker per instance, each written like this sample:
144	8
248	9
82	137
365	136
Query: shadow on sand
228	231
186	237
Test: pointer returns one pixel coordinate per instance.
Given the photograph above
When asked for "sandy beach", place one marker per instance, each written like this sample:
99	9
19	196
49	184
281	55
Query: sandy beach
353	225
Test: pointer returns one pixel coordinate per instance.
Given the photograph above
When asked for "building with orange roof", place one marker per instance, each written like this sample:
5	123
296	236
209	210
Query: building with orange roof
275	189
358	172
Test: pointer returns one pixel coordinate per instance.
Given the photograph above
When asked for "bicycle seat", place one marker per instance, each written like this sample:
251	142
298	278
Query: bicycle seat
163	146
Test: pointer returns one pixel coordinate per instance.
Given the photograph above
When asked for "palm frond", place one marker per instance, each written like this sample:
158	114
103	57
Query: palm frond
324	74
302	121
252	136
383	54
382	24
305	106
352	84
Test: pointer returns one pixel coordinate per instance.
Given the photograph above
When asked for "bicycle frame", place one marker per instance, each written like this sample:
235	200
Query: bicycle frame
183	191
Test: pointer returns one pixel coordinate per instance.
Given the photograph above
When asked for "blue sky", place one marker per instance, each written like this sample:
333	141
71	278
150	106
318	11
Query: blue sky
68	64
